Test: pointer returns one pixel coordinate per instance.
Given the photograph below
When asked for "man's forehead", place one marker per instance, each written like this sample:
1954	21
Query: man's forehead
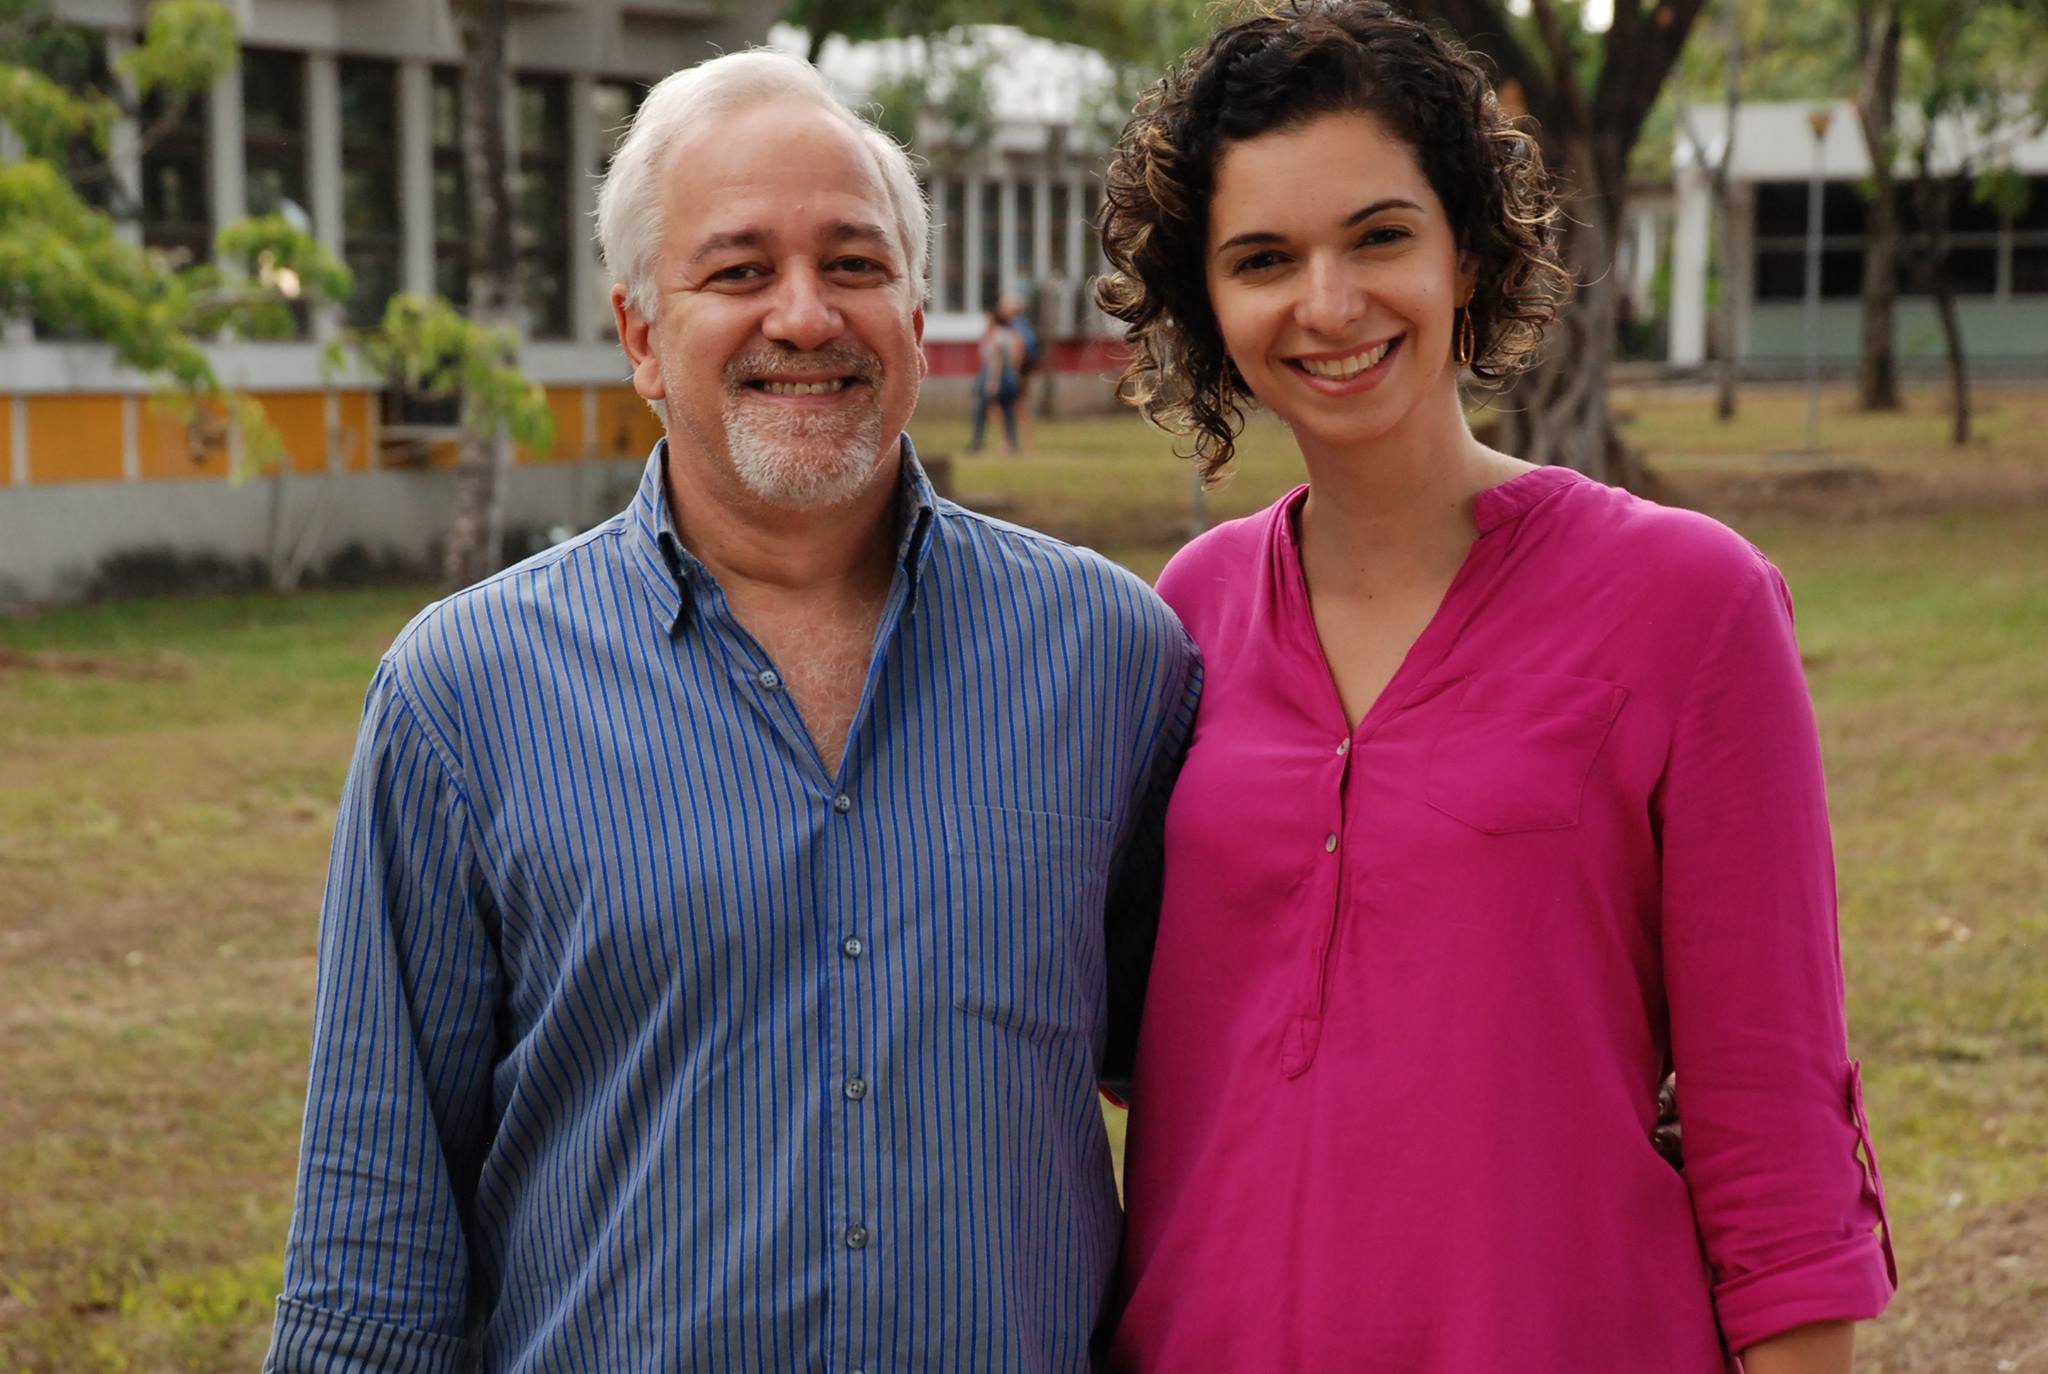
782	171
774	148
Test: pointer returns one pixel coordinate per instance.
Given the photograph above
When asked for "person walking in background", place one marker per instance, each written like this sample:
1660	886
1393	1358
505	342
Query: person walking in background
999	379
732	909
1030	357
1506	796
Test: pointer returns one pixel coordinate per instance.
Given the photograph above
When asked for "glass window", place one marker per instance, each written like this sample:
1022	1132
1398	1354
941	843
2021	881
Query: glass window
1027	234
953	225
1092	262
543	204
991	284
1971	272
372	233
1781	209
177	207
274	133
2030	269
2034	214
1059	212
451	190
1781	274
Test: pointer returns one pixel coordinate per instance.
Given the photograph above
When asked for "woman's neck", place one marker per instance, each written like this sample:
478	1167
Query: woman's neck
1405	500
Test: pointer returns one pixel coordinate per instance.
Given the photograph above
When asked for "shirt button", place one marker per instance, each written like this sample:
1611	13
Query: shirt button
1343	747
852	947
856	1237
842	803
769	679
1330	844
855	1089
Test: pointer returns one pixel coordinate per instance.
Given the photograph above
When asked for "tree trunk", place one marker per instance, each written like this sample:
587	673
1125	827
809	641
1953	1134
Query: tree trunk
1557	412
476	535
1936	197
1876	104
1724	222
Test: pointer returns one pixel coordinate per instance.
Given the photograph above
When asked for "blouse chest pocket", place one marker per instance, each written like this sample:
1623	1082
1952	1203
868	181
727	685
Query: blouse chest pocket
1028	893
1517	749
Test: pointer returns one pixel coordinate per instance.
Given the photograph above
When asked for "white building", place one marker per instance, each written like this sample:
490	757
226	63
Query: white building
1014	201
345	113
1999	262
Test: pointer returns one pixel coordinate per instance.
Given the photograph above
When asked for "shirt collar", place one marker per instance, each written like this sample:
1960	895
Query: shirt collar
1519	495
668	569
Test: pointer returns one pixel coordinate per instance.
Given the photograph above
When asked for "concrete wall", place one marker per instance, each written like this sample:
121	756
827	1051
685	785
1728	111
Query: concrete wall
1993	331
63	543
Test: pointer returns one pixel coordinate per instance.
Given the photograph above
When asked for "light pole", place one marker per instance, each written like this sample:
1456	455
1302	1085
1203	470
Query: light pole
1818	119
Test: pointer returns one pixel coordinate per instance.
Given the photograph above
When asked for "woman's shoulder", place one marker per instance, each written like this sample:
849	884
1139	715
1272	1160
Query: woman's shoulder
1220	562
1672	548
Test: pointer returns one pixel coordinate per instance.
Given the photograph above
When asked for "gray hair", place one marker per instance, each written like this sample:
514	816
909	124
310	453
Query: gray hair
630	218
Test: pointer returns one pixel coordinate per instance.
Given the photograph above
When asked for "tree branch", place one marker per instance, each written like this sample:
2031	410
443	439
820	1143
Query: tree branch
1483	27
1564	67
1631	76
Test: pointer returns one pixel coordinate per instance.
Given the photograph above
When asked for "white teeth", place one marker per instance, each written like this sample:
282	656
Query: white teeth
803	388
1340	368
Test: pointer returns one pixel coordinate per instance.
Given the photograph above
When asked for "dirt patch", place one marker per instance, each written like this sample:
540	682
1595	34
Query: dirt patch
1977	1301
158	667
1835	492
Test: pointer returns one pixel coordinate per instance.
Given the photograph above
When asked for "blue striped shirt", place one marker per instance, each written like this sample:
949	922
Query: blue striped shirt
642	1044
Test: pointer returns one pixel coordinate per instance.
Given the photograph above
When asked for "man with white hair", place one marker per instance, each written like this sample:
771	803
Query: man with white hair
731	909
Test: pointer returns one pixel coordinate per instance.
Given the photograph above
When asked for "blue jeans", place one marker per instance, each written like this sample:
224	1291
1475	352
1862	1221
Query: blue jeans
1004	396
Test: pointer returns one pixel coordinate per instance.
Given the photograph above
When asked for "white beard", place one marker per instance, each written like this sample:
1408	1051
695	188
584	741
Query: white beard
804	461
794	460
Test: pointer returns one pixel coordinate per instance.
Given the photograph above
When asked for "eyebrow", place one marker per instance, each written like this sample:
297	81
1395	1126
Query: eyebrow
1265	236
839	231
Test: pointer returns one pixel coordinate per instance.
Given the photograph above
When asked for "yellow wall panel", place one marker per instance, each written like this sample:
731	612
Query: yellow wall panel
626	428
74	438
169	449
7	404
301	420
356	412
567	405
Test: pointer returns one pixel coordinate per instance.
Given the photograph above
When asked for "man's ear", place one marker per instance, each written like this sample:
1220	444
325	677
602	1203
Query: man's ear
924	362
636	336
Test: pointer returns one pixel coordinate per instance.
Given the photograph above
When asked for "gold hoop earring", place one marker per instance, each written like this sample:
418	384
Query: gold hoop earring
1467	343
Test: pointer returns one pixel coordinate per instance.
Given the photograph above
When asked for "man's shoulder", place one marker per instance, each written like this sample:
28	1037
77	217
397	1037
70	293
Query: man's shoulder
509	612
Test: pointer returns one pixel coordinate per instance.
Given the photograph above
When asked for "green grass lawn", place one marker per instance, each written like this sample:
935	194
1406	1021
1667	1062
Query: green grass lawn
169	769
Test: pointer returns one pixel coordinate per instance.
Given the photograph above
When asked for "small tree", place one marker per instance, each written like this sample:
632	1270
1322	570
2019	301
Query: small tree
1985	82
1878	31
65	263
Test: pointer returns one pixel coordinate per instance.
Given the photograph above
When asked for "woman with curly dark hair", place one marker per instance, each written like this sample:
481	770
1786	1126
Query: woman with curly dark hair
1504	800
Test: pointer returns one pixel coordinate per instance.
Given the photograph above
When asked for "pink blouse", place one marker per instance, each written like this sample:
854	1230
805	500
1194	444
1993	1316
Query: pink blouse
1416	983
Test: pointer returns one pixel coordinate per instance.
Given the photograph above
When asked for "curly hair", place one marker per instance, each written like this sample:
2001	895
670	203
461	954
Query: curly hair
1279	68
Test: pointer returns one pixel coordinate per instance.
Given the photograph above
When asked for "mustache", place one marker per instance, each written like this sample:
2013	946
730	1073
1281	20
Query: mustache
844	359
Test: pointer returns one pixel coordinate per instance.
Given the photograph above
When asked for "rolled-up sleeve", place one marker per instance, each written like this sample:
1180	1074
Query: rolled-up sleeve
1777	1151
376	1268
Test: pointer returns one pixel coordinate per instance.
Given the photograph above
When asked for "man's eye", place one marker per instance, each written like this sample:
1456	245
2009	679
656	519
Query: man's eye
742	273
857	266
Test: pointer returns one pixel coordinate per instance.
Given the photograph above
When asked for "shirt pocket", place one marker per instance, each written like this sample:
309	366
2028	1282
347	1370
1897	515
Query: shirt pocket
1515	754
1029	888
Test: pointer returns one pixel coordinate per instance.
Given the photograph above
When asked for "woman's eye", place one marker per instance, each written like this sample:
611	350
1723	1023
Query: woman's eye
1255	262
1386	233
